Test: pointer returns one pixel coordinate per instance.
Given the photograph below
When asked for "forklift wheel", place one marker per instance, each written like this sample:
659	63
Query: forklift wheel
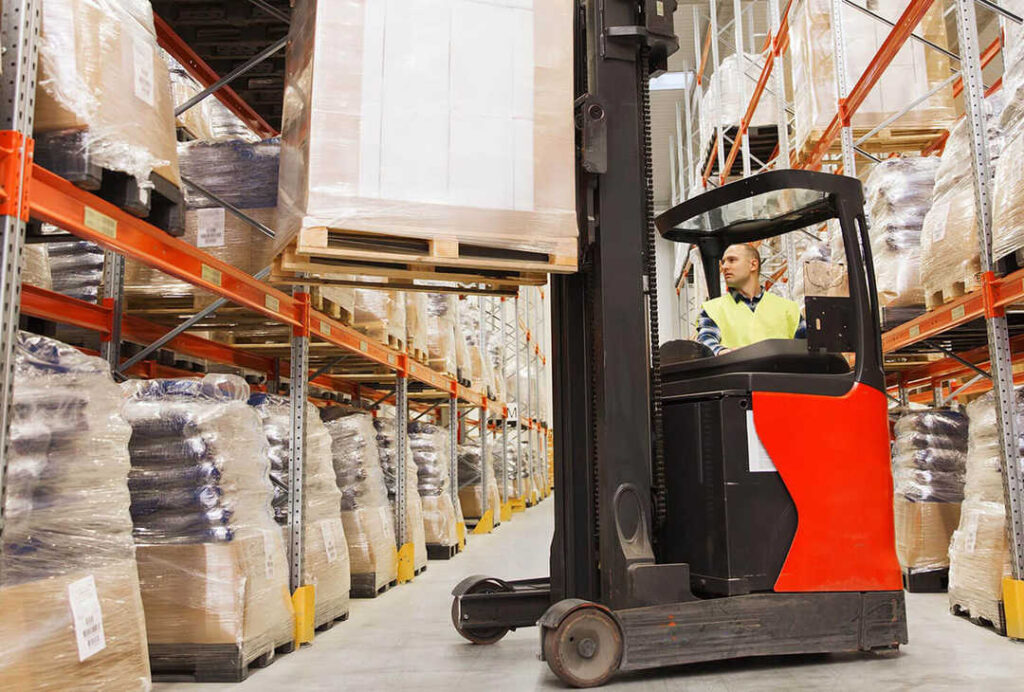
480	635
585	649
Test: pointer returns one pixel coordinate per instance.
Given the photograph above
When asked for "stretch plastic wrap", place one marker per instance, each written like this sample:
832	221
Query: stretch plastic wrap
949	237
471	493
365	511
69	593
35	268
387	445
738	78
196	120
76	269
442	311
899	195
416	322
979	556
393	124
430	452
104	87
380	314
477	367
342	296
325	558
243	174
914	71
1008	197
211	558
928	471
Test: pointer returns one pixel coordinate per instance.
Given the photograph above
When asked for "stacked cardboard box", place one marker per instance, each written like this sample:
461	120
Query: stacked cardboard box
69	591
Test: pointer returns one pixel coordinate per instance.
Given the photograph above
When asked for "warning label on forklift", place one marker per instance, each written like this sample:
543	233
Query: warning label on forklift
758	460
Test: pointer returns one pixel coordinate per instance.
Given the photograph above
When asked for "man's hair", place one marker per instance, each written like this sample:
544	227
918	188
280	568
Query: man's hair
752	253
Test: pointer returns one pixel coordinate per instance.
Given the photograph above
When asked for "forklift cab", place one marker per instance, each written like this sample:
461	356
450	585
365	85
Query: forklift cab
776	453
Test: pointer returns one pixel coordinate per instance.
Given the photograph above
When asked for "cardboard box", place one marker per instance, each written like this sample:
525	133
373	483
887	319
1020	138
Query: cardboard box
39	640
923	533
471	500
371	542
218	593
325	565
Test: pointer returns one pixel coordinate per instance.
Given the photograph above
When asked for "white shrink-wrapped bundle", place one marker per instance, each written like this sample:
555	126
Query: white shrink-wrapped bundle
76	268
380	315
477	367
471	491
914	71
950	263
928	473
899	195
1008	197
393	125
70	610
737	78
35	269
365	510
430	452
325	560
212	561
416	320
104	87
979	556
442	317
387	445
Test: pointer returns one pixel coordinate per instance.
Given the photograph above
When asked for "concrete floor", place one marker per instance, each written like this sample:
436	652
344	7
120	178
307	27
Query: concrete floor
404	640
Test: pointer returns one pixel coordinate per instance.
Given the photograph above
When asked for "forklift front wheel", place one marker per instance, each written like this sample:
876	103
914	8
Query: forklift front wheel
585	648
480	635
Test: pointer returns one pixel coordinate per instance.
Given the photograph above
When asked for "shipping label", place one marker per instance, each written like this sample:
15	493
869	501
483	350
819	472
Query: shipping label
210	227
145	81
87	616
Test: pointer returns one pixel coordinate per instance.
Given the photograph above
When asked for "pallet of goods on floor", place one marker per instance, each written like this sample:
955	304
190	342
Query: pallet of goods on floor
170	553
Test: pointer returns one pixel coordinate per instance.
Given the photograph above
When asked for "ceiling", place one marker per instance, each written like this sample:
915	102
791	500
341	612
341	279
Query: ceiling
226	33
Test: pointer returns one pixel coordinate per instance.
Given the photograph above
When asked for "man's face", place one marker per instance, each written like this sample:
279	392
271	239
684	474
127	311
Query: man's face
737	266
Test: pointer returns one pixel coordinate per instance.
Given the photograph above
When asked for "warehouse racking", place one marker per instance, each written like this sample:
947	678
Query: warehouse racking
971	335
342	360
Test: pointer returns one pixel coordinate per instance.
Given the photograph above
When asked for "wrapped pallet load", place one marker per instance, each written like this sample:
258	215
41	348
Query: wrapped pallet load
365	511
244	174
928	473
104	90
471	490
212	563
899	195
325	558
736	89
69	590
76	268
380	315
1008	197
950	261
416	340
979	556
914	72
442	314
394	128
387	440
477	365
430	452
35	268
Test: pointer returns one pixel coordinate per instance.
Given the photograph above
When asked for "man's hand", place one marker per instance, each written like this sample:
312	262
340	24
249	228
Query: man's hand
724	351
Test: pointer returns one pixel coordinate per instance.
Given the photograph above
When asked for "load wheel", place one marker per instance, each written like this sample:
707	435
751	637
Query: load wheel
480	635
585	649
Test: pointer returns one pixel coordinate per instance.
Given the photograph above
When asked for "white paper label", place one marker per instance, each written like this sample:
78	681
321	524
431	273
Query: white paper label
513	411
210	227
941	212
268	554
87	616
330	547
758	460
142	58
971	531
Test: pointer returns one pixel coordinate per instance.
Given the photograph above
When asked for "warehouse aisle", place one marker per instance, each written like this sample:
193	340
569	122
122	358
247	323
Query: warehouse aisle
404	640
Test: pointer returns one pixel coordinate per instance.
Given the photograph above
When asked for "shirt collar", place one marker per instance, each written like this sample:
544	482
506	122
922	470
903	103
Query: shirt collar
738	296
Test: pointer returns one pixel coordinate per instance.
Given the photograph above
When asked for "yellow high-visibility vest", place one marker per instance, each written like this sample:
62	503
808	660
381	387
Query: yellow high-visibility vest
773	318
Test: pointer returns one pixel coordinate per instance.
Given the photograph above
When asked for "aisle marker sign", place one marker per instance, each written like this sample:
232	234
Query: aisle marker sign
87	617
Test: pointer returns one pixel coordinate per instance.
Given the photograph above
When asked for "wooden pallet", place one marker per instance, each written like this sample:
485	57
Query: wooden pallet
956	287
990	614
291	268
363	246
436	551
329	307
158	201
889	140
210	662
329	623
419	354
365	586
420	571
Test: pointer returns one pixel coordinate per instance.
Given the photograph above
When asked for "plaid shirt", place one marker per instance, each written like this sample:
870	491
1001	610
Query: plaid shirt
710	335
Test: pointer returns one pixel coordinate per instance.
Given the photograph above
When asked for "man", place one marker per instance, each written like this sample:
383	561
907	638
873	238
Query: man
747	313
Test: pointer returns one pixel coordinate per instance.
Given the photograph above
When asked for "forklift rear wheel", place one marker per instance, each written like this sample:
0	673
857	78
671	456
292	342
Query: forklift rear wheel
585	649
480	635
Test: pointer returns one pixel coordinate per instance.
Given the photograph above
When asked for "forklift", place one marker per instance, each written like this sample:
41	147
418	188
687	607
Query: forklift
706	508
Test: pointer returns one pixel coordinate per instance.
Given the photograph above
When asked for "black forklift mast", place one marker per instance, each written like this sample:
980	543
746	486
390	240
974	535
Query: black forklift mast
603	398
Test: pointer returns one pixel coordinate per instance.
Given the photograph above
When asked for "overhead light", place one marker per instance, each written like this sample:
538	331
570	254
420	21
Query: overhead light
672	80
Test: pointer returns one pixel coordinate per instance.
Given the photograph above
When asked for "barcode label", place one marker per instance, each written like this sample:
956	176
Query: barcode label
272	303
325	328
210	275
100	222
330	547
87	616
